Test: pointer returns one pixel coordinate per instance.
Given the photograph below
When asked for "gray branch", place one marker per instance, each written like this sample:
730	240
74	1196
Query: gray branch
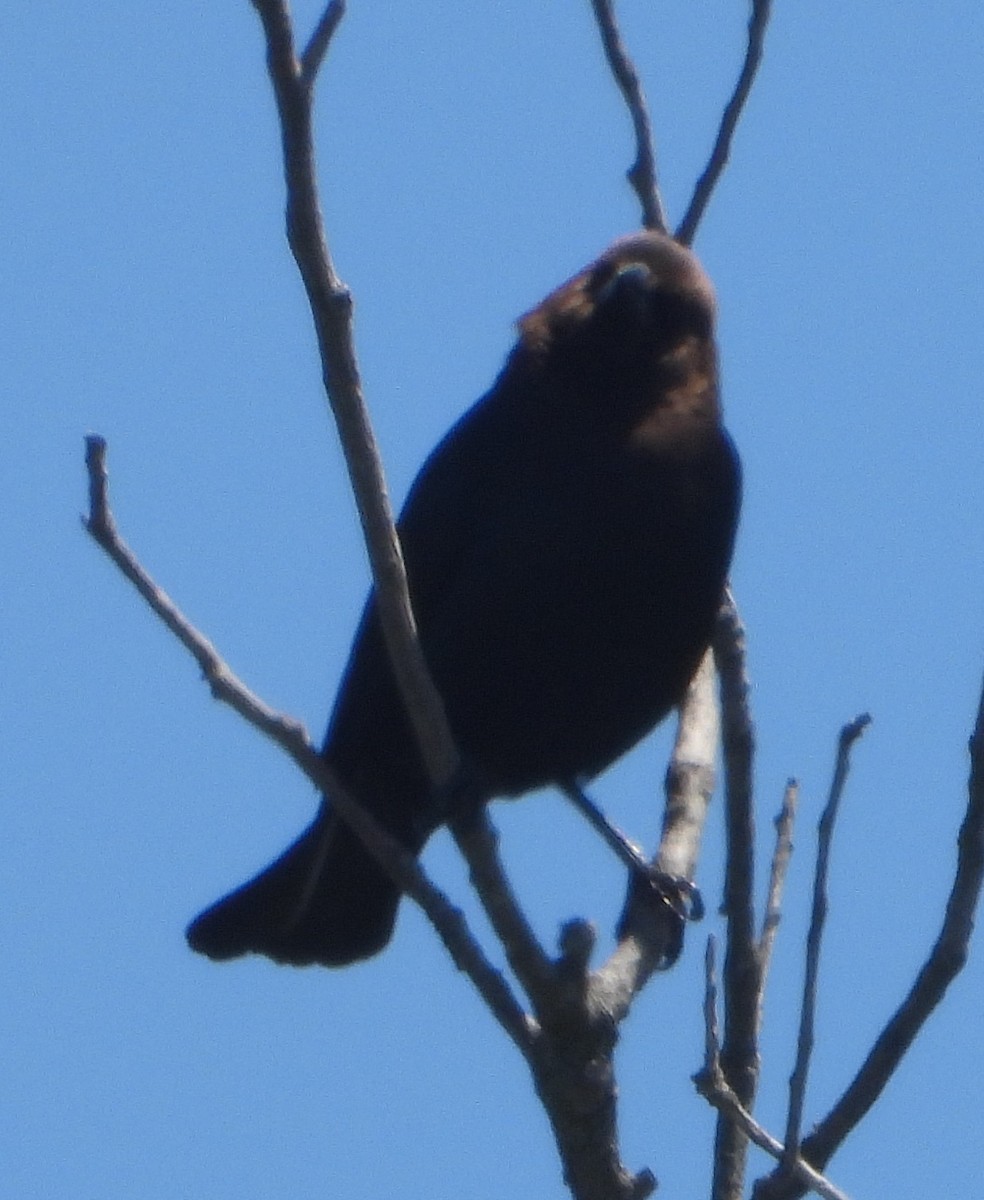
757	23
642	174
946	960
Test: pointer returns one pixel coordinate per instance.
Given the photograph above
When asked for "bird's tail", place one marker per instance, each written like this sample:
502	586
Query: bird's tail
325	900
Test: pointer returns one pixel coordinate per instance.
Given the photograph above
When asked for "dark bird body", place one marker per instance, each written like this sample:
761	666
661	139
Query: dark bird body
567	545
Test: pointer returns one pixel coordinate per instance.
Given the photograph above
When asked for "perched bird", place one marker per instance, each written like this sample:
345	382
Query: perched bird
566	545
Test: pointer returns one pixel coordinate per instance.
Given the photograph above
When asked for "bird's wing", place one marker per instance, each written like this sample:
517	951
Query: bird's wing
452	503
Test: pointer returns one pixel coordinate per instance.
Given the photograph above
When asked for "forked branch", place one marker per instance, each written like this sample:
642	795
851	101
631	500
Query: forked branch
945	962
292	737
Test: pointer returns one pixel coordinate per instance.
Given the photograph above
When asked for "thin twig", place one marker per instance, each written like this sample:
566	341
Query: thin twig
777	876
317	47
780	865
742	975
712	1036
642	174
331	308
757	24
945	962
804	1047
225	686
716	1092
291	737
712	1085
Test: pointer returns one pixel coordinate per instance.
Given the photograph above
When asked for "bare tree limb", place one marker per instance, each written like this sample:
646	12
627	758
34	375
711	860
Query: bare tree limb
331	308
712	1085
478	842
289	734
291	737
757	23
777	876
690	776
804	1047
642	174
945	962
742	972
646	931
317	47
574	1072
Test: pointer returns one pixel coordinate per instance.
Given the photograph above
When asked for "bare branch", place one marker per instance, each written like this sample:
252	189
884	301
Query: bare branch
646	931
478	842
777	877
690	776
742	972
712	1036
716	1091
713	1086
945	962
575	1073
291	736
642	174
331	308
757	24
317	47
224	685
804	1048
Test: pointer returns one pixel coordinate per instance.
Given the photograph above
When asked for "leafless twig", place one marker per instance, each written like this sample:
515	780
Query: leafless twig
331	308
944	963
317	47
804	1047
478	842
777	877
713	1086
757	24
642	174
291	736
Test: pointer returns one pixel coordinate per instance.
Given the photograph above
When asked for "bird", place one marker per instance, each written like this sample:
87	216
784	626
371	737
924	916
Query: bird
567	546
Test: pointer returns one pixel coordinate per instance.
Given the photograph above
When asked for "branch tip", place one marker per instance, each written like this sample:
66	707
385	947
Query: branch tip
642	174
317	47
757	24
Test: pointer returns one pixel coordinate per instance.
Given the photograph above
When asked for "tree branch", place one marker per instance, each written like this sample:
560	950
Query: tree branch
646	931
478	842
331	308
804	1047
292	738
713	1086
777	876
742	971
945	962
642	174
317	47
757	23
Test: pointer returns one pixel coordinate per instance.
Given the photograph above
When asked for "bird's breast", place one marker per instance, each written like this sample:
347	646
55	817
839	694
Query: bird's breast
577	619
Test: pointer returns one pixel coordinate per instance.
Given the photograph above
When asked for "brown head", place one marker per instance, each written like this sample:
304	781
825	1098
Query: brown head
637	324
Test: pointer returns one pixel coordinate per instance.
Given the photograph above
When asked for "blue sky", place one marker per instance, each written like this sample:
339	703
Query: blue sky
471	158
